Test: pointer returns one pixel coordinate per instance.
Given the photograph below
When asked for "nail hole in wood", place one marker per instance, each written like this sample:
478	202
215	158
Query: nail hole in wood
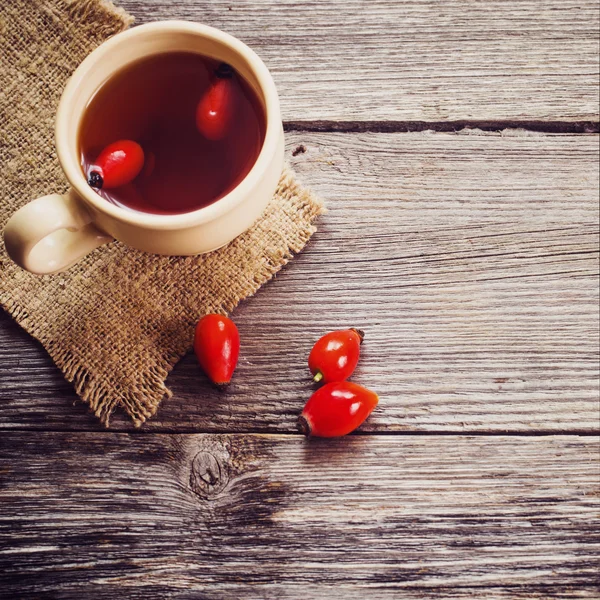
301	149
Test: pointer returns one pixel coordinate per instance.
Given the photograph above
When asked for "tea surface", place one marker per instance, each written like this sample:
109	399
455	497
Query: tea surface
154	102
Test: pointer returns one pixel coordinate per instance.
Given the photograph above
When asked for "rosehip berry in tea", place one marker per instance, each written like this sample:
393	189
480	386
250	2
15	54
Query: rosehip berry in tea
118	164
335	356
336	409
154	102
216	110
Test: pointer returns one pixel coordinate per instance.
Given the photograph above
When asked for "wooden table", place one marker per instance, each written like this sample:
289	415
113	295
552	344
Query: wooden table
456	145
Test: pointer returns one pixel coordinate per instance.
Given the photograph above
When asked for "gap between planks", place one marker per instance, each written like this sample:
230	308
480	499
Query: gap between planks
586	433
578	127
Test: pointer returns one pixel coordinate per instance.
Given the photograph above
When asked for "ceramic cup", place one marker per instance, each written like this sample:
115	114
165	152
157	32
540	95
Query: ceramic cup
53	232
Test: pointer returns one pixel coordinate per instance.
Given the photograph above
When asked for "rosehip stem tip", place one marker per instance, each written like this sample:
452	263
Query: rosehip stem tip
303	426
359	332
224	71
318	376
95	180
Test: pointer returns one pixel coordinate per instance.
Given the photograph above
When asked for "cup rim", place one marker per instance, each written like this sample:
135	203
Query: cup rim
72	167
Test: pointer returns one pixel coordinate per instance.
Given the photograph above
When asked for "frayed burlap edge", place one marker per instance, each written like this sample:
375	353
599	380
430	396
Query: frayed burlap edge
98	11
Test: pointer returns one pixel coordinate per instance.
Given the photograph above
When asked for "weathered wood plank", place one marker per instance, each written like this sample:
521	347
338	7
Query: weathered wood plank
212	516
414	60
470	260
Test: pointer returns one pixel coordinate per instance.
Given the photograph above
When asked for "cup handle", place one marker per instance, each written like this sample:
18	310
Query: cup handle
51	233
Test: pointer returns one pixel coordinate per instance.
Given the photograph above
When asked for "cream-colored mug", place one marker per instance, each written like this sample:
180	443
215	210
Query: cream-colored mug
53	232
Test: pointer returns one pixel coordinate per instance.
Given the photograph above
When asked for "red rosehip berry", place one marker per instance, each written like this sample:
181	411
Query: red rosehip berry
336	409
335	356
118	164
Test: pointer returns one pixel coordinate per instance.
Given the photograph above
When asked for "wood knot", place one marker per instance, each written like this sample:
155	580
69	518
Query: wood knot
207	478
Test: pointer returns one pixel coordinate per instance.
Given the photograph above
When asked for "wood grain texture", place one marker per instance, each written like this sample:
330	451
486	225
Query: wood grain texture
248	516
471	261
415	60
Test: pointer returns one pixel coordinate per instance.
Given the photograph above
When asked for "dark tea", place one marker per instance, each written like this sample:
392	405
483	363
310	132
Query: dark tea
199	124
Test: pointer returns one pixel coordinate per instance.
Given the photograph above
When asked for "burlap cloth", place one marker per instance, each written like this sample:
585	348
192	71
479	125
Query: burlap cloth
118	321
